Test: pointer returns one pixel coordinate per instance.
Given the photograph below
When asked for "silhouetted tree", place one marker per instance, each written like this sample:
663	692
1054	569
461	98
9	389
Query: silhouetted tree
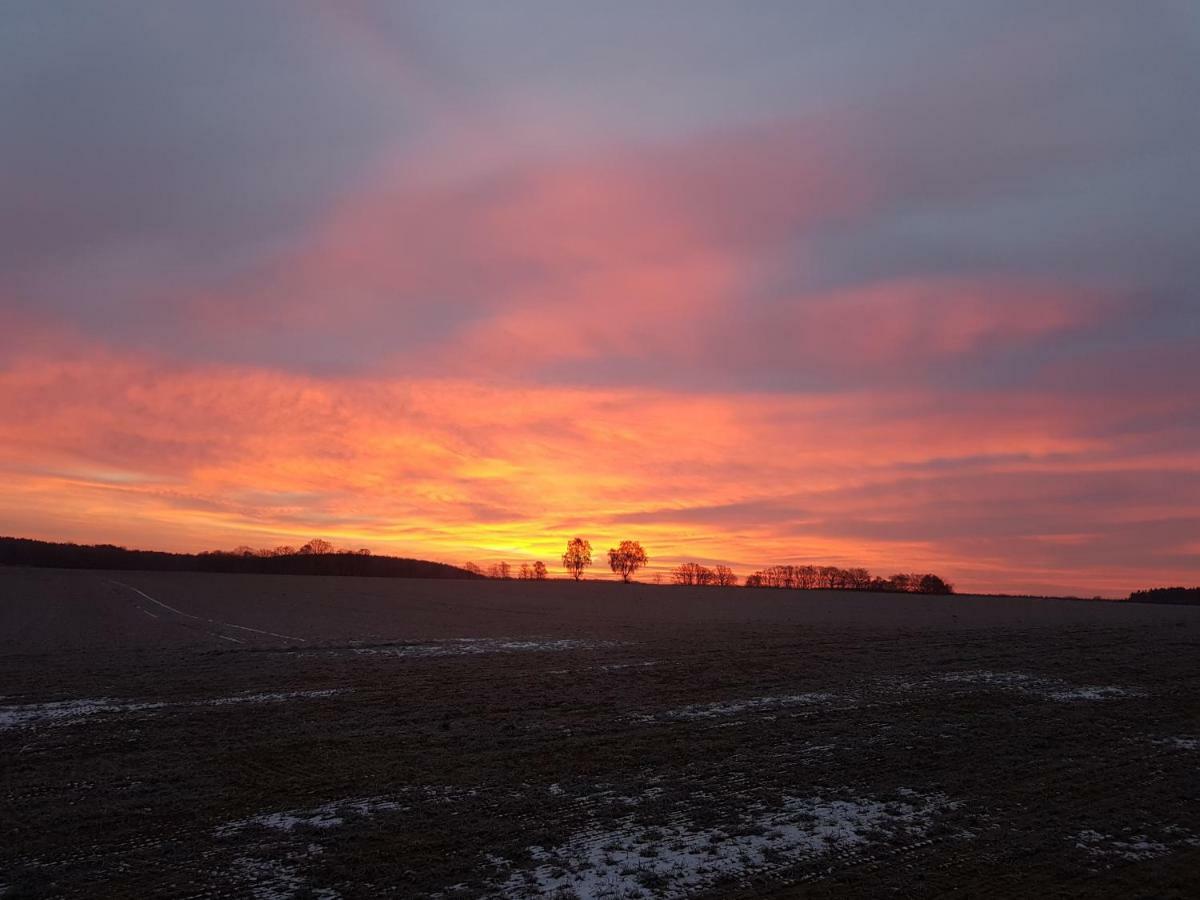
539	571
853	579
1177	595
627	559
723	576
500	570
778	577
578	557
473	569
857	579
316	547
525	573
692	573
932	584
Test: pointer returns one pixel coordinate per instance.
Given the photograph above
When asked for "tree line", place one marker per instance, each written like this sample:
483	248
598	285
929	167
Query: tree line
315	547
629	556
695	573
535	571
321	557
624	560
317	557
833	578
1177	595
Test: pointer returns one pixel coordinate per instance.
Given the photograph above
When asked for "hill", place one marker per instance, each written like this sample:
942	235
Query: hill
44	554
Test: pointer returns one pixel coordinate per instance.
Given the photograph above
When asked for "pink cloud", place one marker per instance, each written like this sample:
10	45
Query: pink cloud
626	245
187	456
889	323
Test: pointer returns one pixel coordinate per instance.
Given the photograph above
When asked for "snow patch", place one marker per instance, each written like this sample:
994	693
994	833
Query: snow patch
336	812
614	667
31	715
1180	743
734	707
1109	692
328	815
679	858
1047	688
63	712
1134	845
478	646
279	879
275	697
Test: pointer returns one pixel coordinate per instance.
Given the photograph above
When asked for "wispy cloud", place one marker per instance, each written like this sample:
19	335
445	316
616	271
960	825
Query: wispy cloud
781	283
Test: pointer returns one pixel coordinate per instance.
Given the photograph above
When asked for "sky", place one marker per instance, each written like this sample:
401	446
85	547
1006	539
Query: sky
912	286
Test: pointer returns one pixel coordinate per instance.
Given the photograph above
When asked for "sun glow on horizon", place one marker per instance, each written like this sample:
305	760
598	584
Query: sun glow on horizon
763	293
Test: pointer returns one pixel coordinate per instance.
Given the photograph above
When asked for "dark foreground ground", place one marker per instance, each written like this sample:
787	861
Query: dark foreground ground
170	734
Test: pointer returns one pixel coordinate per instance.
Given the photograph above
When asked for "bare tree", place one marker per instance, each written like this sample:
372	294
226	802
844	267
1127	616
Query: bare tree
779	577
539	571
578	557
854	578
525	573
316	547
627	559
723	576
858	578
500	570
472	568
692	573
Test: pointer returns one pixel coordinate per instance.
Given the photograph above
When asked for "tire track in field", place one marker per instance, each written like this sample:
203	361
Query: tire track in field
180	612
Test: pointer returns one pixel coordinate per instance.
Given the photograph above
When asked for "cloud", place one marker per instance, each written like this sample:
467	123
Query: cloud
820	281
458	468
148	144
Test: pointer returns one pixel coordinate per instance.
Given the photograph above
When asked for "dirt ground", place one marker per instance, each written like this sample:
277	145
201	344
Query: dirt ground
193	735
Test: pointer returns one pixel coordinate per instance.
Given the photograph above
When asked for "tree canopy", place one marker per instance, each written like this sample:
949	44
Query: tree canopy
627	559
578	556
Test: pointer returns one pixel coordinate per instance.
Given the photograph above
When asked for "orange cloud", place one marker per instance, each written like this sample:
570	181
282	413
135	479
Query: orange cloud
103	447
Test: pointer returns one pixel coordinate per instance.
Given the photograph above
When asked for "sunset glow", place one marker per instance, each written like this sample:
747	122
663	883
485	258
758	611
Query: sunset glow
463	288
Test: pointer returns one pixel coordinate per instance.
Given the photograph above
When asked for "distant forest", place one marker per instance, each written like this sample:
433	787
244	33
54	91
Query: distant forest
320	557
833	578
314	558
1177	595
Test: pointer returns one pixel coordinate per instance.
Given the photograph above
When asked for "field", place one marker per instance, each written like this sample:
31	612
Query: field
204	735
